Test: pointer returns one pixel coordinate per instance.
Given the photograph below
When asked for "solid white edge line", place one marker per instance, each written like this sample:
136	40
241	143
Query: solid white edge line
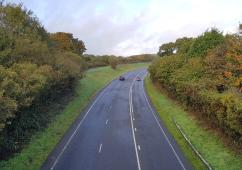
73	134
100	148
168	141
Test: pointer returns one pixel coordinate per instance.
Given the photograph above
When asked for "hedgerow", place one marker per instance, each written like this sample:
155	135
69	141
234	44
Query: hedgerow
207	78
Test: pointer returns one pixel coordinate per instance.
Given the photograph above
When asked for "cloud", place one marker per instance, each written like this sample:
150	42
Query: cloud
124	27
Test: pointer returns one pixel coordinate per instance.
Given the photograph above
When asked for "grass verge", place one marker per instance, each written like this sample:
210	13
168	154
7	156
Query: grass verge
208	144
41	144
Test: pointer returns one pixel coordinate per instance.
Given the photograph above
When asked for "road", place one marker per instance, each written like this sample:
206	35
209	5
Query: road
119	130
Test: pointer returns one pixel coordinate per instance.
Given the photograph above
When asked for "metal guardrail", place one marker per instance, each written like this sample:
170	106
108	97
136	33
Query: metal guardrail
192	146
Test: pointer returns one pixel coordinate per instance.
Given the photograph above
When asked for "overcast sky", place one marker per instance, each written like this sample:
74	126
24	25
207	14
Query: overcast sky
127	27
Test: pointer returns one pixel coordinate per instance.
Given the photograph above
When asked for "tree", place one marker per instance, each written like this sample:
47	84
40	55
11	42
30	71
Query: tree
166	49
19	21
207	41
67	42
182	45
113	62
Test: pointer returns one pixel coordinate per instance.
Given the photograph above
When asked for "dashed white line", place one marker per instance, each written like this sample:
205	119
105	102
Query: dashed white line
100	148
106	121
139	147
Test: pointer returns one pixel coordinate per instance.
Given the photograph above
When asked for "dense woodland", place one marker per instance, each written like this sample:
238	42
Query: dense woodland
36	69
205	74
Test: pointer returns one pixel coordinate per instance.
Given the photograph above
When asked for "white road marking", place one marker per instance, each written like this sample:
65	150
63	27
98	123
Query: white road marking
74	133
135	129
168	141
132	109
107	121
139	147
100	148
131	120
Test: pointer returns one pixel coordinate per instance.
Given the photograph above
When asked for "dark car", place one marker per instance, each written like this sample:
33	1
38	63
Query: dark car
121	78
138	79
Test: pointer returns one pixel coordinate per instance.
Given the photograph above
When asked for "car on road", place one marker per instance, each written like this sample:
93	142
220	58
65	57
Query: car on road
138	79
121	78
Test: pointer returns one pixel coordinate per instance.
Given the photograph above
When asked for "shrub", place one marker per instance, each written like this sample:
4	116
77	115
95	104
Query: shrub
209	82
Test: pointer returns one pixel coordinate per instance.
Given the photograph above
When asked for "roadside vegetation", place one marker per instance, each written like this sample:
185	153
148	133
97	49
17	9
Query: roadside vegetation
43	142
37	71
33	74
204	75
209	145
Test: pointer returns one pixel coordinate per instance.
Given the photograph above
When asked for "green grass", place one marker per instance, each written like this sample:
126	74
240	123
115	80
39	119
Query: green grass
41	144
207	143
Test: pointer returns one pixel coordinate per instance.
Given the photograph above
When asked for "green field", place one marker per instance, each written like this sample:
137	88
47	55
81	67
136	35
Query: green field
41	144
209	145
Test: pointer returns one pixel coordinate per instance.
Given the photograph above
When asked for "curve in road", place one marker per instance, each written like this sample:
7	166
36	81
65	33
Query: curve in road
118	131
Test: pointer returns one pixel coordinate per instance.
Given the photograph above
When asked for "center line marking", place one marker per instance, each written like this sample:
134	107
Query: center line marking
131	111
100	148
139	147
107	121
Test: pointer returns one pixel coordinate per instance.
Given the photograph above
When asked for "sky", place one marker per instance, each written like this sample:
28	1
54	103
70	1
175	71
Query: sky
129	27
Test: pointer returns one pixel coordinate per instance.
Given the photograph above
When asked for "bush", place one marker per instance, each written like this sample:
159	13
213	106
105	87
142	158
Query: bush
215	61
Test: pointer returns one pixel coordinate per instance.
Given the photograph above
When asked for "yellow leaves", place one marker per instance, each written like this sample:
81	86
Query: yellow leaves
66	41
227	74
63	40
238	83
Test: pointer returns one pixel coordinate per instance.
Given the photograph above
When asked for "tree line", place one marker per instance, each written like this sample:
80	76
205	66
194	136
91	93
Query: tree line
112	60
205	74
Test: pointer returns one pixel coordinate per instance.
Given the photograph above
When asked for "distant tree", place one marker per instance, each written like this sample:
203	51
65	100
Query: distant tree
113	62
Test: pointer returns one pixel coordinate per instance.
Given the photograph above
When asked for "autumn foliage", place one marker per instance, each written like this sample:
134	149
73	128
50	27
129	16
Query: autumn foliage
207	77
35	69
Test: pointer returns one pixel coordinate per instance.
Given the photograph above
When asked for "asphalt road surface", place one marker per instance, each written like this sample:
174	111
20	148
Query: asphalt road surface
119	130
